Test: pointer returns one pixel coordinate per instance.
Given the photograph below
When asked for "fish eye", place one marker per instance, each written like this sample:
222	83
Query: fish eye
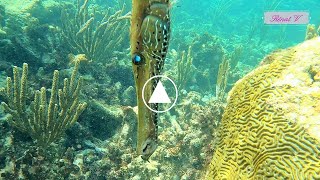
138	59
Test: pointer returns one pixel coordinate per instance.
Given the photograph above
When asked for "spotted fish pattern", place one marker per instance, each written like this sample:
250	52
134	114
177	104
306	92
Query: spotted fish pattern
149	38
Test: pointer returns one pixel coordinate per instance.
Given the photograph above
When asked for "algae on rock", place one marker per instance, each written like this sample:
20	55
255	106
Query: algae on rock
45	122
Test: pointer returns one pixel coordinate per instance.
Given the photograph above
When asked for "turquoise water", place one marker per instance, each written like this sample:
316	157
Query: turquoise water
49	35
237	19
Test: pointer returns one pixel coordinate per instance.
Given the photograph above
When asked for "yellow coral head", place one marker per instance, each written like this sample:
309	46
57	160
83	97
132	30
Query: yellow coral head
270	127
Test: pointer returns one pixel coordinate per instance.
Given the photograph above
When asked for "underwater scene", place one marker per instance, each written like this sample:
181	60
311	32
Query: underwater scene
159	89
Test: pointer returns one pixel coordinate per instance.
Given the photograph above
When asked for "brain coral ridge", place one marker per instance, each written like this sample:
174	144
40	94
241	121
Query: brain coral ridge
270	128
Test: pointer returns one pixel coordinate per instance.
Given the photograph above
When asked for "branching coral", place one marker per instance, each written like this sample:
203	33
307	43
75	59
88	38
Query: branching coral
222	79
96	37
235	56
184	70
45	122
311	32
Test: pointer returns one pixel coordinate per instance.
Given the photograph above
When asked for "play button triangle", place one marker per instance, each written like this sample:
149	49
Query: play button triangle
159	95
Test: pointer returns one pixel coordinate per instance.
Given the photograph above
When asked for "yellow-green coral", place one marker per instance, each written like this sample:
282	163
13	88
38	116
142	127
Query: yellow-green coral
184	69
311	32
270	128
45	122
85	34
222	79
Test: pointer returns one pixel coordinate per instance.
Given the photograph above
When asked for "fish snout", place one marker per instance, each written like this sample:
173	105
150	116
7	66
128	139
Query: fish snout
148	148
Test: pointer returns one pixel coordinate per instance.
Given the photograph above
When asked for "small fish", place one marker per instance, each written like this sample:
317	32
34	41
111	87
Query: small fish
149	38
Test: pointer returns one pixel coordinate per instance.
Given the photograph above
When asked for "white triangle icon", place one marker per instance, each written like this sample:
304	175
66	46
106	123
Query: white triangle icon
159	95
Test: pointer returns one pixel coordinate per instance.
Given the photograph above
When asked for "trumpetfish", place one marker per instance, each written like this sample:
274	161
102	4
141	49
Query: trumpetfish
149	40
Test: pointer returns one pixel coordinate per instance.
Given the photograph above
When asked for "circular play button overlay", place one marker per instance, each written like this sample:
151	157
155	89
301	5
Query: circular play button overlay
160	95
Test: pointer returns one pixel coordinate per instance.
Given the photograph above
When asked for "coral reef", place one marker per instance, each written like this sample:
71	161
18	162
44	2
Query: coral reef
185	137
101	143
235	56
222	80
184	69
207	45
196	69
311	32
269	128
96	37
32	34
46	122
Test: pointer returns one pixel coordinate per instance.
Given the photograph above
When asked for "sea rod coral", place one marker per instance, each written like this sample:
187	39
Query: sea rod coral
87	33
45	122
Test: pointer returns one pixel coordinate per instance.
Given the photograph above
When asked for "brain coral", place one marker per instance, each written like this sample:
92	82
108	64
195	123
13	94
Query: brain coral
271	125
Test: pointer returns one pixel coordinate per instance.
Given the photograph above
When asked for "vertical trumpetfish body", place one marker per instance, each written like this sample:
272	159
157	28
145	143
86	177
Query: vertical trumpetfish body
149	37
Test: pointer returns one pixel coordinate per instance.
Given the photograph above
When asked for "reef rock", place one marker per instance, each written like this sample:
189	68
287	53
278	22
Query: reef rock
271	126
